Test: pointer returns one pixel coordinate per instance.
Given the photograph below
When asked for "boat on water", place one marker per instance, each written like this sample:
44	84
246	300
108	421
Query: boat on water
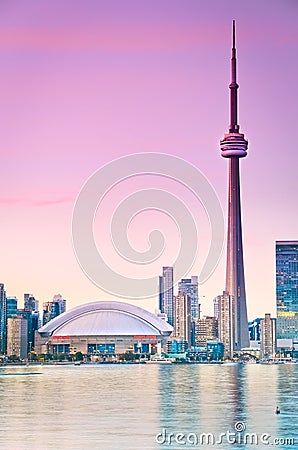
249	361
159	360
230	363
20	374
278	361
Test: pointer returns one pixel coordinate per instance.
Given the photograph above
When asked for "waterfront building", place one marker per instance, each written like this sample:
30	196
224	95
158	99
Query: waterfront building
166	293
215	351
182	317
206	329
190	286
234	146
254	350
109	328
54	308
287	289
176	347
287	325
286	348
268	336
3	319
17	336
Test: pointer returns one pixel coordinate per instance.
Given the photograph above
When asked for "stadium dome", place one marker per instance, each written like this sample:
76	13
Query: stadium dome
106	319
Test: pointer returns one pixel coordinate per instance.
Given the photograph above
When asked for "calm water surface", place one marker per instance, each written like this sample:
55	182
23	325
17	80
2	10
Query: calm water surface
115	407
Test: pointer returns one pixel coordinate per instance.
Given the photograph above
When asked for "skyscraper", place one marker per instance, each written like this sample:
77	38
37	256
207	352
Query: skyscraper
166	292
3	319
226	319
11	306
161	305
17	336
234	146
31	313
268	336
30	302
216	307
60	303
33	324
206	330
182	317
287	289
54	308
254	328
190	286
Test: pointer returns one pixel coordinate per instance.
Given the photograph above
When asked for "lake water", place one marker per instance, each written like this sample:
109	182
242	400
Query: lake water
131	407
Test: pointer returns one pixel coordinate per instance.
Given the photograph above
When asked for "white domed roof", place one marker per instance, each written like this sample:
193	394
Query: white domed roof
106	318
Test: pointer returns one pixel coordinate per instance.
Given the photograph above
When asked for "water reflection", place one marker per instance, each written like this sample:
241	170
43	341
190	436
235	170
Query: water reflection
125	407
235	398
288	400
99	407
202	399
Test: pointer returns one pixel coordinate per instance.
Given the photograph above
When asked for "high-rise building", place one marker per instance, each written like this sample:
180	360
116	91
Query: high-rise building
226	313
234	146
161	305
268	336
182	317
11	306
190	286
47	312
33	324
206	329
287	289
17	336
216	307
3	319
54	308
61	302
254	328
31	313
30	302
166	293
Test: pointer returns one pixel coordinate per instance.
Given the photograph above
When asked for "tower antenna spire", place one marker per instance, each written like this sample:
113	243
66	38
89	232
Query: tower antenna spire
234	127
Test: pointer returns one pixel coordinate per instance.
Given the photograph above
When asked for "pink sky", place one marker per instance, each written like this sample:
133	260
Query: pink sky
82	83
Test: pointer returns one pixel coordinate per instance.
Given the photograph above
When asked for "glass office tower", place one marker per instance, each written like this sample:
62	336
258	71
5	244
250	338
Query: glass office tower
287	289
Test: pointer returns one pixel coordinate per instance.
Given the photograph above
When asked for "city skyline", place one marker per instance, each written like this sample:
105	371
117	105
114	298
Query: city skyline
80	89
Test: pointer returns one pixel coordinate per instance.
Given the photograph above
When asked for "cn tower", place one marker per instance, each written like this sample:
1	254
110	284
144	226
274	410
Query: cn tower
234	146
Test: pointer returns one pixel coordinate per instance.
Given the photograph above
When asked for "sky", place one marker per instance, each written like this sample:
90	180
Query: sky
85	82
